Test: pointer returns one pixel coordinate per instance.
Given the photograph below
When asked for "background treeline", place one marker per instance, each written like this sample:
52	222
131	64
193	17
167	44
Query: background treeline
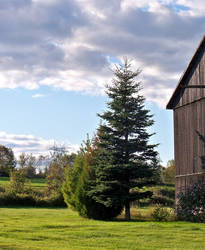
38	181
24	174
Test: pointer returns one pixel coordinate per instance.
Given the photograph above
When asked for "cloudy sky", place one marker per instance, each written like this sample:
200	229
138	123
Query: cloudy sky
55	59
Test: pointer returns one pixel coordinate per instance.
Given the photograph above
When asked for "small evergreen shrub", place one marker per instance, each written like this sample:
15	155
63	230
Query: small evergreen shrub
79	180
191	203
163	213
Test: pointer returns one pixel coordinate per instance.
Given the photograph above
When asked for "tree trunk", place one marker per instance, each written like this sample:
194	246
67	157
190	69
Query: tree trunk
127	211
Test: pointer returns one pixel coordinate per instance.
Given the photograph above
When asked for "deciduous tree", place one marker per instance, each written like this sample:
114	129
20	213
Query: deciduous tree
7	161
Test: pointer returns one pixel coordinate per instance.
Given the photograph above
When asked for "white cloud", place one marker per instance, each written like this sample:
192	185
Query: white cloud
17	78
32	144
38	95
154	6
195	7
66	43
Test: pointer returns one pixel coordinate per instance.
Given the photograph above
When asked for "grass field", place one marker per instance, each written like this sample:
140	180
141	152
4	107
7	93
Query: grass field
29	228
36	183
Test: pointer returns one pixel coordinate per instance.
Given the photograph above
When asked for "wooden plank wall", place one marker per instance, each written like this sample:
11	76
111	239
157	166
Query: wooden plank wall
197	77
189	140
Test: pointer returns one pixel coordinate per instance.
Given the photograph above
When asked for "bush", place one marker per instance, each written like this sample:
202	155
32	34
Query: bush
11	199
191	203
17	182
163	213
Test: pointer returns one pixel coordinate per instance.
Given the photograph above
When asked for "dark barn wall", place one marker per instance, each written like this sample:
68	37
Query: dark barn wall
189	142
189	124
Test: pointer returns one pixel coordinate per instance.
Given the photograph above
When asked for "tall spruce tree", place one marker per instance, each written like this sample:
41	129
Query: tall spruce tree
126	162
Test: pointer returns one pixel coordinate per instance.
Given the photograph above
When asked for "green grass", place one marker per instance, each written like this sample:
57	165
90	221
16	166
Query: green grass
4	181
31	228
36	183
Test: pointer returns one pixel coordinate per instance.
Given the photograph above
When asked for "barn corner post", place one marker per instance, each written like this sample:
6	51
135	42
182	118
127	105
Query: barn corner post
188	105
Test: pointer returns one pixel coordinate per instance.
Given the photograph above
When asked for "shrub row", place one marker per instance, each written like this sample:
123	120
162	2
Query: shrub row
12	199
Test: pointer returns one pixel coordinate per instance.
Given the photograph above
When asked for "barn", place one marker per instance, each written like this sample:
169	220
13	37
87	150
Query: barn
188	105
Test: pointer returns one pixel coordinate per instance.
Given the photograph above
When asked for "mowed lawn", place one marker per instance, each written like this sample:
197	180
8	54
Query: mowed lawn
36	183
33	228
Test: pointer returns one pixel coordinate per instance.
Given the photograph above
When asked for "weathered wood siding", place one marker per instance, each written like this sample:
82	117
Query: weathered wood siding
189	122
196	77
189	142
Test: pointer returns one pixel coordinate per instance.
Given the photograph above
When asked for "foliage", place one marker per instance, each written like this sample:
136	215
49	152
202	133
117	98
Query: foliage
27	164
163	195
7	161
168	192
55	177
78	181
60	160
20	192
191	203
162	200
30	200
71	178
2	189
169	172
163	213
30	165
14	199
17	182
125	161
159	174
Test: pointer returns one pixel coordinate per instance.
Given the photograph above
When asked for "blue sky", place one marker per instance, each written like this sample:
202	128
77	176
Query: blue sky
55	59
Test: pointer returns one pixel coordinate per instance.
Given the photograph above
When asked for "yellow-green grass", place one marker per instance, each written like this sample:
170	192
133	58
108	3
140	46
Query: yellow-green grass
4	181
29	228
36	183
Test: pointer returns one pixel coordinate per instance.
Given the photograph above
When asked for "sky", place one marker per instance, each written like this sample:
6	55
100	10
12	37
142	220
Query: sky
55	60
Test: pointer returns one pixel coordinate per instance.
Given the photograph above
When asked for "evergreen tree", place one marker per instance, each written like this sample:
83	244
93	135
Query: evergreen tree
126	162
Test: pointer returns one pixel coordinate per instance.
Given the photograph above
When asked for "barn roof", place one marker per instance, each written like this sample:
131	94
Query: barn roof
183	80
